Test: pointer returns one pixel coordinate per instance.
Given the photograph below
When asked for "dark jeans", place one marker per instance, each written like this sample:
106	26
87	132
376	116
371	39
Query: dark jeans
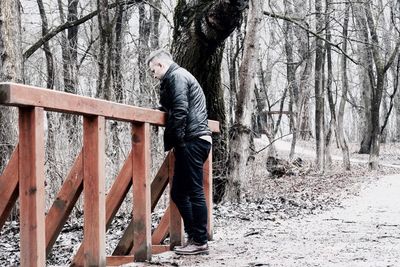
187	187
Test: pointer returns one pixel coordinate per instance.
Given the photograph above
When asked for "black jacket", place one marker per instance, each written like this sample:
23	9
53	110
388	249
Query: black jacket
182	97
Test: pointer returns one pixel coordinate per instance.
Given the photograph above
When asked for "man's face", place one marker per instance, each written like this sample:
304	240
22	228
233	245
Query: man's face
157	69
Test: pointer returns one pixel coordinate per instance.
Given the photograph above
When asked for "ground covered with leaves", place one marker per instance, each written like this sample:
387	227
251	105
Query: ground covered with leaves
265	229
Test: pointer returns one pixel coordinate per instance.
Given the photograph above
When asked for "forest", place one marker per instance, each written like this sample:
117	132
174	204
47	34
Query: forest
319	74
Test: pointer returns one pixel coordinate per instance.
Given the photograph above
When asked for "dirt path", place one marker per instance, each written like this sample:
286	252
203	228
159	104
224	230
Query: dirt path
365	231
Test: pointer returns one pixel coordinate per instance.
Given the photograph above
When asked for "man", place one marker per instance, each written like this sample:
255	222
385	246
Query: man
187	132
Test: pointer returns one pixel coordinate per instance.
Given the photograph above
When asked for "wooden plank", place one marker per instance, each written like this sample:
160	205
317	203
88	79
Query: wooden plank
31	186
158	186
175	222
64	203
160	182
119	190
125	244
161	232
114	199
94	191
119	260
9	187
141	191
126	259
157	249
22	95
208	185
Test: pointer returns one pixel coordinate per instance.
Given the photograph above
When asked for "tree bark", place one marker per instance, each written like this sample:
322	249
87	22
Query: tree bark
11	70
201	28
104	54
155	24
291	78
51	140
303	106
116	70
143	51
67	63
46	47
331	102
343	99
319	89
377	92
367	80
240	133
396	75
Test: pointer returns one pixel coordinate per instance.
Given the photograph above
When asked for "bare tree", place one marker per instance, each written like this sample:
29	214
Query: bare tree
345	87
201	28
381	67
105	50
69	45
305	53
319	88
51	141
240	133
11	68
366	75
291	68
46	46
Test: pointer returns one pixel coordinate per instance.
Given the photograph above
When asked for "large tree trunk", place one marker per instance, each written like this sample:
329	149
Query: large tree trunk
332	107
46	47
69	39
367	79
343	99
104	54
305	53
68	46
155	23
396	74
143	51
381	68
291	78
11	70
119	40
241	137
201	28
319	89
51	140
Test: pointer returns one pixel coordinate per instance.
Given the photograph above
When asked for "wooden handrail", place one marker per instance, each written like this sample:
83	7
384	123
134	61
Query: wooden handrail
13	94
24	177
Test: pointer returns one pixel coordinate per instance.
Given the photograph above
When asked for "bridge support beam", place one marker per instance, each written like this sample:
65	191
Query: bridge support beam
31	186
141	191
94	191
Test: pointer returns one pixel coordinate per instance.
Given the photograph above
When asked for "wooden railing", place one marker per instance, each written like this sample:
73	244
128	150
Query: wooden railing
23	177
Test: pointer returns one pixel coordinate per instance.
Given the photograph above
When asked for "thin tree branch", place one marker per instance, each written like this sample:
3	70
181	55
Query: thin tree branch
53	32
159	10
295	22
396	85
392	56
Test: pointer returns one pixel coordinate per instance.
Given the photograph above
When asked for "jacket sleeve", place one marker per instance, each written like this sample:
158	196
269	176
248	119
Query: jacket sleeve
179	108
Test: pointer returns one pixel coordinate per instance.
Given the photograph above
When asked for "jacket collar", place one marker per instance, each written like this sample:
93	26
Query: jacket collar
171	68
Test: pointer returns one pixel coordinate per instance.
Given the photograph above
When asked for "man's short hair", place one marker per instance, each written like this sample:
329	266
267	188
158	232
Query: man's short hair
159	54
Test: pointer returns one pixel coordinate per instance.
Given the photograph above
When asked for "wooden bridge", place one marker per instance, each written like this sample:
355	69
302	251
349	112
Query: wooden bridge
24	177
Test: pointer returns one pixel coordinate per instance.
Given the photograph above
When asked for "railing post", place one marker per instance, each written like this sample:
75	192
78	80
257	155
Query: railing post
141	191
94	191
31	186
208	185
175	219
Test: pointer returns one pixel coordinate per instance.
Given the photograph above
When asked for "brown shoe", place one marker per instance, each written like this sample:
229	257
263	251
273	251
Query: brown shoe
193	249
